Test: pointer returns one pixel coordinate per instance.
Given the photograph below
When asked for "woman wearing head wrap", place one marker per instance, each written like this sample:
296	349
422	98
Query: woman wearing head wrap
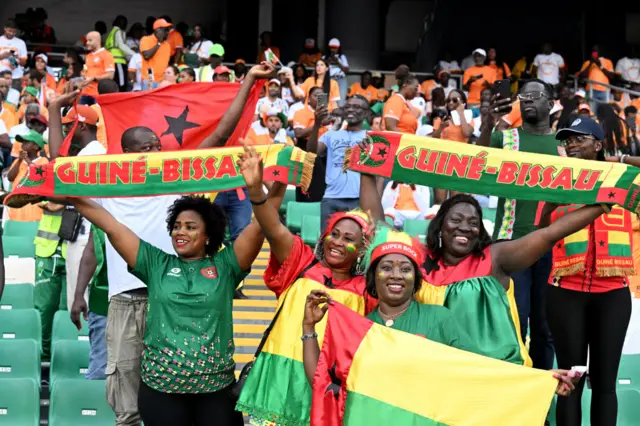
276	390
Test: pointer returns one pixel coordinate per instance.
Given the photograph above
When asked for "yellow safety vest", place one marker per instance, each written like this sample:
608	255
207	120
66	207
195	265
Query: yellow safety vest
47	238
110	44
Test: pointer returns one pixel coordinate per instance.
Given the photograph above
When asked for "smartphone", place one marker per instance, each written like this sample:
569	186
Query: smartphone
502	88
323	99
150	71
594	55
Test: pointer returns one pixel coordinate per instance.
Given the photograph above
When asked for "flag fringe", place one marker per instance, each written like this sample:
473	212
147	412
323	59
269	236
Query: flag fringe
347	159
568	270
615	271
267	418
307	170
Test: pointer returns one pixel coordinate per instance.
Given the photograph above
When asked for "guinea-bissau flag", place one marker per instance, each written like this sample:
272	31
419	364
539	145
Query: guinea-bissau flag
369	374
181	115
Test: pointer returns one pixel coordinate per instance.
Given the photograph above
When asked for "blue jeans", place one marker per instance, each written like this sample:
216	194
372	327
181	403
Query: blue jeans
530	288
597	95
145	85
238	211
344	89
98	341
329	206
86	100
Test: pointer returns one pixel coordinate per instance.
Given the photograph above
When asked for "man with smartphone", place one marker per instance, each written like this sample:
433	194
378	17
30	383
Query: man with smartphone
599	70
476	77
156	53
517	218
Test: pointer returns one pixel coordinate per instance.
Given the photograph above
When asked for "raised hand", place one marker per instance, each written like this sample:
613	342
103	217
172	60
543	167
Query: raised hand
251	166
313	312
67	99
262	71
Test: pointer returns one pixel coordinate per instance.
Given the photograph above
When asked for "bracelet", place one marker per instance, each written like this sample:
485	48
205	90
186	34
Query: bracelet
606	207
259	203
313	335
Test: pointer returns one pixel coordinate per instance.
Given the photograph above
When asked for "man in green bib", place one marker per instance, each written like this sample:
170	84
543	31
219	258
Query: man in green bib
121	52
516	218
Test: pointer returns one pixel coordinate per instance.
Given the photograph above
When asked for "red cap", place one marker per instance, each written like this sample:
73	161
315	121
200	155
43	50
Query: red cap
221	69
161	23
84	113
41	118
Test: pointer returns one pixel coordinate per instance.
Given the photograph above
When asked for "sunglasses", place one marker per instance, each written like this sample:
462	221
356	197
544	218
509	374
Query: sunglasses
531	96
455	100
578	139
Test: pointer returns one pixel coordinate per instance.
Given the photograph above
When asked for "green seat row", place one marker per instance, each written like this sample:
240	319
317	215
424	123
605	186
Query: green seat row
19	359
289	196
311	229
628	407
16	324
17	296
19	402
296	211
14	228
64	329
18	246
69	360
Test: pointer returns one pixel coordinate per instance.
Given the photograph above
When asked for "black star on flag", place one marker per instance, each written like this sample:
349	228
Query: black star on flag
40	171
559	245
328	282
382	152
276	172
612	194
601	243
336	383
178	125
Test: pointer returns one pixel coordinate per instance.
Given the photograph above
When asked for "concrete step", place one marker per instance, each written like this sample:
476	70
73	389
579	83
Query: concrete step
253	315
249	303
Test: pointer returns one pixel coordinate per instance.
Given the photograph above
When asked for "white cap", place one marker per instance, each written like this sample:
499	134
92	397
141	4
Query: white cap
43	57
581	93
274	81
284	70
481	52
334	42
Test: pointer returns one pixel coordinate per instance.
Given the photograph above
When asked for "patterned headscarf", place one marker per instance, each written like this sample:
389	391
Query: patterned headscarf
386	241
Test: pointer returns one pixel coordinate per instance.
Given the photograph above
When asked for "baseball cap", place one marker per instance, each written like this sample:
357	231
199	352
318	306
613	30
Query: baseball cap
274	112
584	106
217	50
284	70
275	81
582	126
41	118
83	113
376	74
44	57
309	42
480	51
32	136
581	93
221	69
161	23
238	61
334	42
31	90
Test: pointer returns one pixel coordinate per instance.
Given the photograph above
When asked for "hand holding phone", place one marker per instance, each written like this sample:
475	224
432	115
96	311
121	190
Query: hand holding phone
502	88
323	99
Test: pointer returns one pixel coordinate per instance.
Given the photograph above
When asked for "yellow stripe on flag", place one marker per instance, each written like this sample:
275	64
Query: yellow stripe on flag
619	237
447	385
578	237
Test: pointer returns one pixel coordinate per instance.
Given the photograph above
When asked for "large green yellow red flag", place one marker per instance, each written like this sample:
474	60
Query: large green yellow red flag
369	374
479	170
172	172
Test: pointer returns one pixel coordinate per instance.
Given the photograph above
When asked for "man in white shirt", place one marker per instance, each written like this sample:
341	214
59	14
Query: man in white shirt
135	72
272	100
13	53
548	66
629	68
12	96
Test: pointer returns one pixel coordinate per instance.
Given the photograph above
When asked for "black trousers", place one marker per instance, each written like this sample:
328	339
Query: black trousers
597	322
207	409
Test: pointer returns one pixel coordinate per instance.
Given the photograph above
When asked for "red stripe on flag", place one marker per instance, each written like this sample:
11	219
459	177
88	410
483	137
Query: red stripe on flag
612	195
181	115
343	335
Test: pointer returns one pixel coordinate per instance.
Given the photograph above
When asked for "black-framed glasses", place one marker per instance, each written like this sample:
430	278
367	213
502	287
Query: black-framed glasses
531	96
577	139
455	100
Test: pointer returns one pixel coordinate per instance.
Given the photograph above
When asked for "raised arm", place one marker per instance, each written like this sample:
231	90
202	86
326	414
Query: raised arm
497	109
88	264
515	255
230	119
55	121
370	195
322	114
123	239
279	237
313	314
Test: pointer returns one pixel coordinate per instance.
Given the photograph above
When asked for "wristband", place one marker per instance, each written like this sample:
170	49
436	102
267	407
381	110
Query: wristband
622	157
606	207
313	335
259	203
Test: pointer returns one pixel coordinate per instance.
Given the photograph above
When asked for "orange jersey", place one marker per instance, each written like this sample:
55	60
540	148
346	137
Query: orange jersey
371	93
334	91
175	41
594	73
96	64
488	76
398	108
158	62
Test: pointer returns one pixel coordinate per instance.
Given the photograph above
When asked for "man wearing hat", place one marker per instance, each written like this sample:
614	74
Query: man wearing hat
49	81
269	129
156	54
290	92
475	77
272	100
311	54
338	67
222	74
33	120
216	55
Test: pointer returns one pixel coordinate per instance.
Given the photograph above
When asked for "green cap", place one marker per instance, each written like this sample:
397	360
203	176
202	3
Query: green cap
217	50
32	136
32	91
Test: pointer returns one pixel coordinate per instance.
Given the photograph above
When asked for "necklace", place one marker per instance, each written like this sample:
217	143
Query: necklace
389	319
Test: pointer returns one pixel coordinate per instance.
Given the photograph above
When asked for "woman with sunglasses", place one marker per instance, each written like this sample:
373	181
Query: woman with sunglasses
588	303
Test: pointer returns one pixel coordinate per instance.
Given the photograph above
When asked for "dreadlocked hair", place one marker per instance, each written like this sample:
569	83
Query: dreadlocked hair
215	221
615	137
434	232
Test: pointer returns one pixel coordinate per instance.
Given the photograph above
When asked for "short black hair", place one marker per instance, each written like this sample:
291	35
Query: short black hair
121	22
359	97
548	90
215	221
463	97
630	110
407	79
314	89
129	136
5	72
10	23
36	75
189	71
435	251
370	278
107	86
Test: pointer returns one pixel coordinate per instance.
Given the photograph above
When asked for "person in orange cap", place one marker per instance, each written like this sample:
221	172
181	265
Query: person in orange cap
222	73
156	53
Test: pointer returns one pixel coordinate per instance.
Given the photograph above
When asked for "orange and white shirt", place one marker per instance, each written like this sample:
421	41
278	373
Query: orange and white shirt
304	118
96	64
334	91
427	87
595	74
259	135
488	76
502	71
549	67
175	41
629	69
371	93
398	108
8	117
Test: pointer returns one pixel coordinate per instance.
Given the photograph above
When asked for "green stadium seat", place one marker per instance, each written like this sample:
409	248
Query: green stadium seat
70	360
629	372
310	231
490	214
14	228
19	402
416	228
63	329
20	324
19	359
18	246
388	220
80	402
289	195
628	407
296	211
17	296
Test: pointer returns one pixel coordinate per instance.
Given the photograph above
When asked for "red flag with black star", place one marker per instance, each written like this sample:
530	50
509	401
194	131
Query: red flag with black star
181	115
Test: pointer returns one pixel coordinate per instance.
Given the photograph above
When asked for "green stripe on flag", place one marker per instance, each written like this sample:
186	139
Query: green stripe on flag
619	250
363	410
575	248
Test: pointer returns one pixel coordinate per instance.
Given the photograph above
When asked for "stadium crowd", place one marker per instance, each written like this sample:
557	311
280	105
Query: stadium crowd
141	288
